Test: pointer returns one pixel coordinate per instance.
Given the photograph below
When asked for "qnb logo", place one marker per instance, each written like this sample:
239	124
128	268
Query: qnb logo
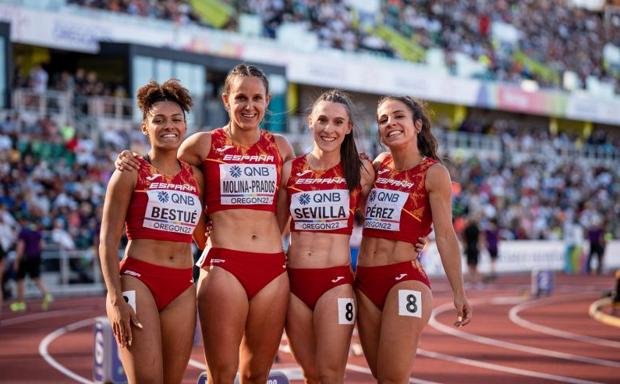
304	199
372	196
235	171
163	197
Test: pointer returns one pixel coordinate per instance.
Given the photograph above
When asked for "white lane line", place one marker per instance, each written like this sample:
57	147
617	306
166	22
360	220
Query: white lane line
515	318
508	345
38	316
503	368
47	340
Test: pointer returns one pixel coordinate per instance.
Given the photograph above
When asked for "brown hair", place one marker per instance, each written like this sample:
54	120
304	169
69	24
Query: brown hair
245	70
349	157
427	143
171	90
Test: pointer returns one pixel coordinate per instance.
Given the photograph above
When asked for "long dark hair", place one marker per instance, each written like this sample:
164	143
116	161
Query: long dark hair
427	143
349	157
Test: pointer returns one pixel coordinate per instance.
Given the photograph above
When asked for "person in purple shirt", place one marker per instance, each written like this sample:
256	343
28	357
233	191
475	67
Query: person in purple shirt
28	262
596	237
491	236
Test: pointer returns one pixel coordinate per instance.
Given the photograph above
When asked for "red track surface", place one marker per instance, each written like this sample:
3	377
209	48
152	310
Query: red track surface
565	345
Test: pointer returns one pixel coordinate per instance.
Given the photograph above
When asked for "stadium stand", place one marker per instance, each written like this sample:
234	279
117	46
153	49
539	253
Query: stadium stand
555	43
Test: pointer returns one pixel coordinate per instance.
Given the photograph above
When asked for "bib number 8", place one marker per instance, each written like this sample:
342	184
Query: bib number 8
409	303
346	311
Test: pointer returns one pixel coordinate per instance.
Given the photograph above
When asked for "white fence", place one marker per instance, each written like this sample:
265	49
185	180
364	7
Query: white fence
523	256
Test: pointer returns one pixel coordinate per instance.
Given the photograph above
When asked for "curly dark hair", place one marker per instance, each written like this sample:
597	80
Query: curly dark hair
171	90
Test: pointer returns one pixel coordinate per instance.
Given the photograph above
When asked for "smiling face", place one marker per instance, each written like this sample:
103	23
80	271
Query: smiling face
330	123
396	125
165	125
246	101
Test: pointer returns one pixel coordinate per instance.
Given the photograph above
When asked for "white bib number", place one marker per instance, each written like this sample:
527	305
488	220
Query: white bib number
383	209
409	303
130	298
247	184
172	211
320	210
346	311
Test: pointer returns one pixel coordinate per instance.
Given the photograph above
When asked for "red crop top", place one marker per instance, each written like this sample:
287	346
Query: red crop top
397	207
320	201
163	207
238	177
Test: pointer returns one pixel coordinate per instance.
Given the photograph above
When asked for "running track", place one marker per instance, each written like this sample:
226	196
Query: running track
512	339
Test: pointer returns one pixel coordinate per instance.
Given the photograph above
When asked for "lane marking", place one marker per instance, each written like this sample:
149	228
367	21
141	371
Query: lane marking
515	318
599	315
503	368
47	340
508	345
38	316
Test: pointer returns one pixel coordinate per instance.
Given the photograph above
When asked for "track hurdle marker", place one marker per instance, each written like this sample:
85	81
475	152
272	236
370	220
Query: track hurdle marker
542	283
107	367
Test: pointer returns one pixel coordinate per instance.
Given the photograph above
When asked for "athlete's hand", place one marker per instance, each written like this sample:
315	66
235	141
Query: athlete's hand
421	244
127	161
364	156
121	316
463	311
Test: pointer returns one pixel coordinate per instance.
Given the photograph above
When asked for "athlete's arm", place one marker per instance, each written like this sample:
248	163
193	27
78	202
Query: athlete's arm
367	173
200	232
439	194
283	205
379	159
284	147
117	198
195	148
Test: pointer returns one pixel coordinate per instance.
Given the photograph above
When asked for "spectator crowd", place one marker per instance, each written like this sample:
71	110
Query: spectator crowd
512	40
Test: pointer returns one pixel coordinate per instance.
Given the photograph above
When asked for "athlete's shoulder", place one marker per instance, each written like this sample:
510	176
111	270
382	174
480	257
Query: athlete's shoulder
284	147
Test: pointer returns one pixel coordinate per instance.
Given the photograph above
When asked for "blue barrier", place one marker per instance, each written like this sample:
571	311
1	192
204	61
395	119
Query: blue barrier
542	283
107	367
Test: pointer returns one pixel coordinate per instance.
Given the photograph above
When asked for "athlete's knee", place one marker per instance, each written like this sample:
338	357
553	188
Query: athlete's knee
392	378
331	372
331	377
311	376
254	376
222	372
148	376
